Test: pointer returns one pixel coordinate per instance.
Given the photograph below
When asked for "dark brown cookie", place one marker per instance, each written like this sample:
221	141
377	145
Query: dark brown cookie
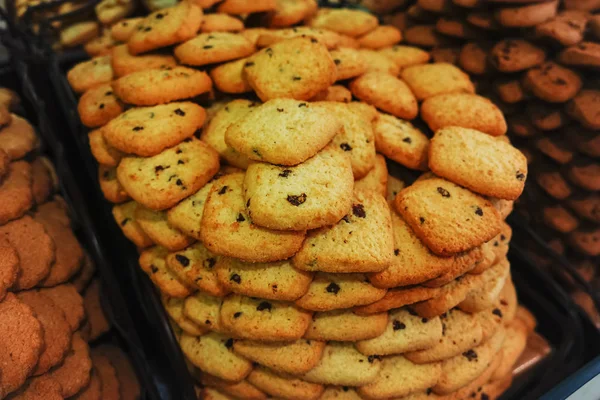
93	310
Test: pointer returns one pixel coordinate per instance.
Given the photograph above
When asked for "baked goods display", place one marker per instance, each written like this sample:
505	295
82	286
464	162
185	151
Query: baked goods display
50	299
250	168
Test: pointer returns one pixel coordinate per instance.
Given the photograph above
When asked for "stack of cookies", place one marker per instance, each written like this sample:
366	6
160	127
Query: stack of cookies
291	263
45	323
536	60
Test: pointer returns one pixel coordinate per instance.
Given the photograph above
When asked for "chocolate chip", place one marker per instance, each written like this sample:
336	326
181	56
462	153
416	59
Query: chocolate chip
207	47
424	320
345	147
124	222
396	252
333	288
269	51
484	396
345	388
264	305
248	203
223	190
422	220
207	322
296	200
255	151
470	355
138	128
346	218
373	358
237	315
179	112
229	343
154	268
443	192
249	64
210	262
180	162
108	93
302	105
412	312
313	40
496	311
479	211
101	106
429	391
158	168
280	109
285	173
159	16
183	260
240	218
337	61
178	182
359	210
236	278
147	29
560	81
520	176
502	237
398	325
296	78
105	174
178	151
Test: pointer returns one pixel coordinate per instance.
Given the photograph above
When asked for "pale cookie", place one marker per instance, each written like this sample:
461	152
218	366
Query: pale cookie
267	37
251	318
18	138
398	297
377	178
413	262
344	20
433	221
15	191
98	106
221	23
342	364
108	376
357	138
152	262
69	301
380	37
229	77
428	80
165	27
464	110
400	141
284	386
227	229
215	47
102	151
337	93
360	242
349	63
514	344
275	281
213	353
122	30
242	389
387	93
174	307
214	132
9	266
124	215
527	15
271	75
460	332
291	12
340	393
345	325
35	250
124	63
196	266
158	229
101	45
74	373
203	310
465	262
552	82
55	328
161	181
147	131
159	86
187	215
129	386
514	55
484	296
244	7
295	357
88	74
500	171
22	341
43	179
336	291
472	389
283	131
405	332
583	108
78	33
501	314
406	56
399	377
375	61
110	186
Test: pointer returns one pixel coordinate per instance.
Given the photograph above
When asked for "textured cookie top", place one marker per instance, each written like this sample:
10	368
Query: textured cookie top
329	38
431	79
345	21
209	48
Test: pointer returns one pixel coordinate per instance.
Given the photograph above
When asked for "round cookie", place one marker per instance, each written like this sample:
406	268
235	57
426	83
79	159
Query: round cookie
122	30
221	23
129	386
283	385
584	54
214	47
94	313
245	7
345	21
88	74
69	301
152	262
291	12
400	141
18	138
552	82
102	151
405	56
9	266
93	390
387	93
107	375
16	195
428	80
187	215
513	55
526	15
38	388
567	28
109	184
124	63
74	373
380	37
583	107
43	179
202	310
81	280
376	61
266	37
345	326
156	226
98	106
124	215
229	77
174	307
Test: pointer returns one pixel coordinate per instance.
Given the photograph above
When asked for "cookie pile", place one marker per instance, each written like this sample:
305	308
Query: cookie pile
536	61
45	323
291	263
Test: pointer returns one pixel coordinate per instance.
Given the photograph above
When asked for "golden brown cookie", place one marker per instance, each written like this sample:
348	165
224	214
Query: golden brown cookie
16	196
74	373
69	301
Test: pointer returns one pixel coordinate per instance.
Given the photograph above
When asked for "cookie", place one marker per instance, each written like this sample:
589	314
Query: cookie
526	15
387	93
214	47
94	312
101	45
158	229
93	390
124	63
161	181
345	325
514	55
160	86
109	12
219	22
243	7
165	27
275	281
5	116
566	28
38	388
152	262
406	56
74	373
78	33
424	36
554	184
161	126
35	249
361	242
585	241
129	386
186	215
398	297
336	291
284	386
346	21
475	387
196	266
226	227
400	141
544	116
4	163
278	141
22	337
251	318
266	37
107	375
586	140
582	108
81	280
88	74
111	188
464	262
447	77
18	138
102	151
213	353
552	82
203	310
229	77
306	76
447	110
174	307
122	30
337	93
448	55
124	215
399	377
9	99
340	393
15	191
290	12
295	357
242	389
69	301
43	179
9	266
68	252
377	178
510	90
375	61
560	219
587	207
98	106
342	364
473	58
514	344
484	296
380	37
